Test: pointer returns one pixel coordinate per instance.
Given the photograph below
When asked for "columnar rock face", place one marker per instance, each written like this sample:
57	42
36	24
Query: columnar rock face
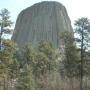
42	21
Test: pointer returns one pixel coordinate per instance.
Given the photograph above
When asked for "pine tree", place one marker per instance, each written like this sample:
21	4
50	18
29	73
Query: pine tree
82	27
71	61
47	49
4	22
6	59
25	80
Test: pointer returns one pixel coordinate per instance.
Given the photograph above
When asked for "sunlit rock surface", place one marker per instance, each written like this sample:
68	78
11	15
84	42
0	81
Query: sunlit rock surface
42	21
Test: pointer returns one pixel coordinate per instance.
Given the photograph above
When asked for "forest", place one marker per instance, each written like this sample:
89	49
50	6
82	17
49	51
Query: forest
45	67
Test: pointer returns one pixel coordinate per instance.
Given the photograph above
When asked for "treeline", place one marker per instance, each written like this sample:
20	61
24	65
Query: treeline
43	67
28	69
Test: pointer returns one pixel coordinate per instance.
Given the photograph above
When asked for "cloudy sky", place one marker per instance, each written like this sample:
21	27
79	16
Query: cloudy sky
75	8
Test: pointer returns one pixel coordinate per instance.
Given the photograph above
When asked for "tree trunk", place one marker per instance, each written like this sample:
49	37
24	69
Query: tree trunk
81	68
71	84
86	83
4	86
1	37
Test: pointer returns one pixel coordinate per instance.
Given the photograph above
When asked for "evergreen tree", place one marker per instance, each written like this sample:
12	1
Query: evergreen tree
6	59
47	49
28	55
45	65
25	79
71	61
82	28
4	22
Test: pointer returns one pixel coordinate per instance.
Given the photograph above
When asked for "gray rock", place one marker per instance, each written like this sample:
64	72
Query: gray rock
42	21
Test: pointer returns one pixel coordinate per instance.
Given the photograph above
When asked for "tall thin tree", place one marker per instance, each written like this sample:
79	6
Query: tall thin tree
82	26
4	22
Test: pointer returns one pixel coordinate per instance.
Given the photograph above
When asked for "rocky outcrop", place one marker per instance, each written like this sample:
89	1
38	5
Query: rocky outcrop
42	21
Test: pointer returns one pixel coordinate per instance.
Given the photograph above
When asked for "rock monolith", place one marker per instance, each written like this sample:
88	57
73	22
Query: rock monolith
42	21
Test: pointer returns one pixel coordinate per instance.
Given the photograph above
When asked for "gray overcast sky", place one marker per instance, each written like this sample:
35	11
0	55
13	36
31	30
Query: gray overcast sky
75	8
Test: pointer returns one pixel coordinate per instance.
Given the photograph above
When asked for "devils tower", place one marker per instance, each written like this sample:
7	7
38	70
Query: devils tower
41	21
